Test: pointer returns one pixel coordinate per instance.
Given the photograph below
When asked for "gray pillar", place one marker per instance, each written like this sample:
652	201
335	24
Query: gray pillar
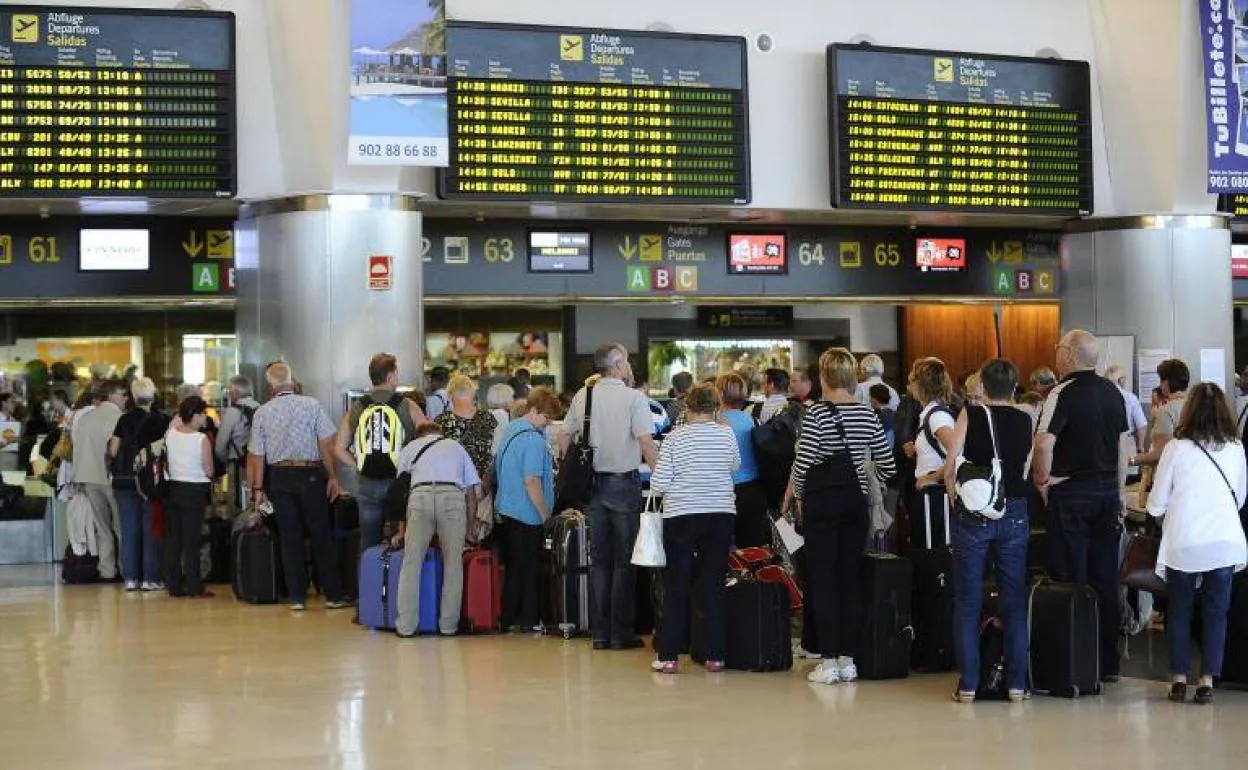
1165	279
304	296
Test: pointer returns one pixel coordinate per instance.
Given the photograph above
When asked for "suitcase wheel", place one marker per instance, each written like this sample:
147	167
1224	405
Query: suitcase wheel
1073	691
567	629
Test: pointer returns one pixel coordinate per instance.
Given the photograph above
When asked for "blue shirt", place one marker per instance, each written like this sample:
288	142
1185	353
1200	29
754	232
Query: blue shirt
743	427
290	428
523	455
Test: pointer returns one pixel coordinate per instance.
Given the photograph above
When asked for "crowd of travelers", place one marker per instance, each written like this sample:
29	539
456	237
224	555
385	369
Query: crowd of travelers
830	448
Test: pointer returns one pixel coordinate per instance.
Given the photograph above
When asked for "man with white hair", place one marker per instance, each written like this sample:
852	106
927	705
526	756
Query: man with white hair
873	372
293	437
1076	461
235	432
1137	421
137	429
621	432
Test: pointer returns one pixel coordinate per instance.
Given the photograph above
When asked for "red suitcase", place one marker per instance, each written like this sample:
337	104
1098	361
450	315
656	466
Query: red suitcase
483	592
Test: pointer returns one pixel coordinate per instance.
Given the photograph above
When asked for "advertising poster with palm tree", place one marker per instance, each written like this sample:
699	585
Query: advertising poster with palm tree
398	82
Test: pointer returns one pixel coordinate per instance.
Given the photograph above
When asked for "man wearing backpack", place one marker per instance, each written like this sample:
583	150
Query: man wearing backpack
438	400
370	437
234	433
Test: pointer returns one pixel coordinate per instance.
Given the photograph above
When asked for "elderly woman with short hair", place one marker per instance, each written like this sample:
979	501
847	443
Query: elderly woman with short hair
137	428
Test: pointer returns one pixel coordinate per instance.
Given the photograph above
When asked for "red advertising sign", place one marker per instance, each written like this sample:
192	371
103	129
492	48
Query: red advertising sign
380	272
757	254
1239	260
941	255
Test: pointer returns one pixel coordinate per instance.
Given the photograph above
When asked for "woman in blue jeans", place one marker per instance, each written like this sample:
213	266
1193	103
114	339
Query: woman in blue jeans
140	548
1201	482
993	429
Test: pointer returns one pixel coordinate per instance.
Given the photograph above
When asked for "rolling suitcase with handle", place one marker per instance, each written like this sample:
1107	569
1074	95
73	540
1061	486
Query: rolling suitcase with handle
483	592
933	610
256	567
887	630
566	574
380	568
758	635
1063	621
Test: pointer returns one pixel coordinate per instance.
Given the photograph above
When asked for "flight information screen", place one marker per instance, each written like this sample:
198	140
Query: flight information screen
102	102
936	130
1235	205
588	114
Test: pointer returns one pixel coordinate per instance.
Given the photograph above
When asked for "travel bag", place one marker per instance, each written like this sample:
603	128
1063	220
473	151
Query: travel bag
930	525
483	592
380	568
565	575
344	514
220	549
758	635
257	569
887	629
79	569
993	684
1235	660
1063	621
933	610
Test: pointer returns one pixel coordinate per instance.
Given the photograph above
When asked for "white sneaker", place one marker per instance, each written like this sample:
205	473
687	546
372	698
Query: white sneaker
847	670
801	653
149	586
132	585
826	672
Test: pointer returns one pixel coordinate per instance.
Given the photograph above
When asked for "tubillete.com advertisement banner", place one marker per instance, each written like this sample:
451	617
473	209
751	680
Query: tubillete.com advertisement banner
1224	47
398	83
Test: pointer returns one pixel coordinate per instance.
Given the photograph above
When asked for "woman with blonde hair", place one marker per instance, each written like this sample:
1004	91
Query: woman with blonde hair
839	435
474	429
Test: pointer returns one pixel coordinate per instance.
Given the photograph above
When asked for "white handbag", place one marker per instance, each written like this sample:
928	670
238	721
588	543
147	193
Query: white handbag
980	487
648	548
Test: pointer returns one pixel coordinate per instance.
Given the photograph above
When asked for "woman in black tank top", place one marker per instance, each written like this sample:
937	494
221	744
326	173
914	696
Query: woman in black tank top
976	535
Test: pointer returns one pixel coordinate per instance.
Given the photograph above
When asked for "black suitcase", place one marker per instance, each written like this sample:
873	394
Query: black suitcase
1063	621
992	674
931	525
1235	661
344	514
565	575
933	610
220	549
348	545
758	637
256	566
887	628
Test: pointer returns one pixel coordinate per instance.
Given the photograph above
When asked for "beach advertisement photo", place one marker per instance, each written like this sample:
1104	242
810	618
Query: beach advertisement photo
398	83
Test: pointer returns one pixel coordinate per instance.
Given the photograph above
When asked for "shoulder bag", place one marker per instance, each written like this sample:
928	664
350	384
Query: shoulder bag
835	473
574	484
979	487
394	507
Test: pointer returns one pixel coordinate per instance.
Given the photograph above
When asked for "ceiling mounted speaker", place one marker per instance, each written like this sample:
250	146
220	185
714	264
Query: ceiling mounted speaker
192	5
764	42
1047	53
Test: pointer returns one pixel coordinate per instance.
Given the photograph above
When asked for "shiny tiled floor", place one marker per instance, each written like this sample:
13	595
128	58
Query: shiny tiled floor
94	678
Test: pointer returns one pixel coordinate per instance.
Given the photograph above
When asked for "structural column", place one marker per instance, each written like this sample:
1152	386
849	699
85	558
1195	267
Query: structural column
326	281
1166	279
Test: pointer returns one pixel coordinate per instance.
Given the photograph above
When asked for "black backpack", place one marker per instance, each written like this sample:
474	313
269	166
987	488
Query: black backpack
151	464
777	438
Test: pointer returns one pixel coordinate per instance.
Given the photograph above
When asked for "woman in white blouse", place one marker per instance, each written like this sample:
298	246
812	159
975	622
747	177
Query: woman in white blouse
1201	482
188	466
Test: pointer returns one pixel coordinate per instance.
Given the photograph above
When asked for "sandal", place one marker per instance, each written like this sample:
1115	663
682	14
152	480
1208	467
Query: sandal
1204	695
1178	692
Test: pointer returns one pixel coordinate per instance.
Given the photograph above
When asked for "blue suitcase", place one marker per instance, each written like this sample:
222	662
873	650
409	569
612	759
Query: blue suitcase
380	567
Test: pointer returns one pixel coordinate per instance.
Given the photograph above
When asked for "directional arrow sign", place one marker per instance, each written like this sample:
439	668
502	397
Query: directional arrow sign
995	253
193	246
627	249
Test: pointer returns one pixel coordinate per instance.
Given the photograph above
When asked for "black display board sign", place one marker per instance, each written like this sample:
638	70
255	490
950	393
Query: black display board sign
649	260
941	130
746	317
1235	205
108	102
188	257
562	113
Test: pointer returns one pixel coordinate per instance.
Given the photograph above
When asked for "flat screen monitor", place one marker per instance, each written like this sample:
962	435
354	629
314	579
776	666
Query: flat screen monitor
757	254
560	251
941	255
113	250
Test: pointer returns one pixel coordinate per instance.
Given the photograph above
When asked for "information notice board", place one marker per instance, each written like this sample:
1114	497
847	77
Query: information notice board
589	114
110	102
941	130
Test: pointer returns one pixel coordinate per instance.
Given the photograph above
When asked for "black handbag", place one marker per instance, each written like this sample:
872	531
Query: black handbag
836	473
574	484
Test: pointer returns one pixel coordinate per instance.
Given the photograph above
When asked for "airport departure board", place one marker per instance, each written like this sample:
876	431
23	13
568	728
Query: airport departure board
1234	204
595	115
936	130
98	102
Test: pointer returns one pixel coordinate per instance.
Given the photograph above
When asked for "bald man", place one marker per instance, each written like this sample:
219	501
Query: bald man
1076	462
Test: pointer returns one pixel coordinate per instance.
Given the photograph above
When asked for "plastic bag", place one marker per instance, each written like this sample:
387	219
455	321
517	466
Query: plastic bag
648	548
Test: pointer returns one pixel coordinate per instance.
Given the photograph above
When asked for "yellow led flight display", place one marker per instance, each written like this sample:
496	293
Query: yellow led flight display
103	102
932	130
541	113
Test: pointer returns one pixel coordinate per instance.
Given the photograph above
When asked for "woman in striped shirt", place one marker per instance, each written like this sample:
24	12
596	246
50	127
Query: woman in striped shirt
694	476
829	483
